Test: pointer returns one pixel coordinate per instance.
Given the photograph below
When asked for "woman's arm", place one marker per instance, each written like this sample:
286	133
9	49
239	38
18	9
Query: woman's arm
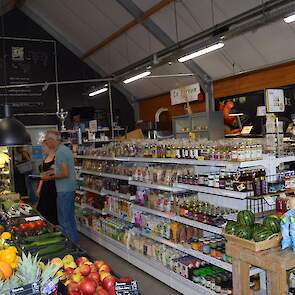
39	187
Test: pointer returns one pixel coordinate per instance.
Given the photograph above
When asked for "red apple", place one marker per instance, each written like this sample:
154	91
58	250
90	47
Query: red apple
95	276
74	293
73	287
81	260
69	272
103	275
101	291
125	280
93	268
76	277
87	286
98	263
104	268
85	270
109	283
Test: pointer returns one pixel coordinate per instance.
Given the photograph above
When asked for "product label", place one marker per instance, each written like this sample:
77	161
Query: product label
129	288
30	289
49	287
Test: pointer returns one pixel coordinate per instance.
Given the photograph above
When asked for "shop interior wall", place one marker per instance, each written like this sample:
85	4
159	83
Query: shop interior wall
271	77
250	85
70	67
149	106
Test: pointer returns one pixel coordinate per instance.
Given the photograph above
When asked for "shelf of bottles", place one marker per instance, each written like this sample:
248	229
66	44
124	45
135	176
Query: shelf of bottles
170	192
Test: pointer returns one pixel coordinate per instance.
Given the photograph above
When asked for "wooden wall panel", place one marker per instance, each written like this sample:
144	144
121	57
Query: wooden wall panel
276	76
149	106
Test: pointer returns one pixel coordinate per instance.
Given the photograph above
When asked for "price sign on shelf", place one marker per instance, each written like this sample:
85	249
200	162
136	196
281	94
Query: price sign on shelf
93	125
30	289
275	100
128	288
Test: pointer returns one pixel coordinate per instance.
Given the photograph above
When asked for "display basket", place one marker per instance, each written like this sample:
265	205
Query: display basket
272	242
25	167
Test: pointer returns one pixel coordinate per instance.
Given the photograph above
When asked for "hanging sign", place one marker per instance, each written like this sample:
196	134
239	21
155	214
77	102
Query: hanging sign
185	94
275	100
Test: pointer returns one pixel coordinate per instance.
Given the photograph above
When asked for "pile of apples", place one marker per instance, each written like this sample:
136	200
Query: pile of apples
83	277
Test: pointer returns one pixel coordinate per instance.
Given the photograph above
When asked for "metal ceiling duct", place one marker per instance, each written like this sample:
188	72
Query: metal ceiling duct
254	18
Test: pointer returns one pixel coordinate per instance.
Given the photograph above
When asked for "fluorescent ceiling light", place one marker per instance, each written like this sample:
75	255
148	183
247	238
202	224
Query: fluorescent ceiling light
289	19
137	77
99	91
201	52
236	114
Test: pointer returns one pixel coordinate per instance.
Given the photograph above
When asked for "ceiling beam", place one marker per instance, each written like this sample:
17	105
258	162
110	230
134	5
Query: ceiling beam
203	78
138	19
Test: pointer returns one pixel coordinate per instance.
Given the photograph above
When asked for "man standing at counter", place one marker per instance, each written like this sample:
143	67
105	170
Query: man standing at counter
65	181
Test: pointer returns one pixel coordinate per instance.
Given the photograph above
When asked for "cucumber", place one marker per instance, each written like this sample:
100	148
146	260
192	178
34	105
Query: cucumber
45	242
50	249
41	237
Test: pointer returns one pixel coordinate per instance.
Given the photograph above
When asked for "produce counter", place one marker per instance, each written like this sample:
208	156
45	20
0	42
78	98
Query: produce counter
35	255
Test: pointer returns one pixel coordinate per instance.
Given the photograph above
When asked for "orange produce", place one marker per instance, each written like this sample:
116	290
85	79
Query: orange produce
6	269
8	256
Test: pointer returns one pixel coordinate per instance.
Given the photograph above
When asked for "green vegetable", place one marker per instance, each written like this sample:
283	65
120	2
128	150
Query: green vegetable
261	234
42	237
244	232
231	227
50	249
257	225
272	223
246	217
45	242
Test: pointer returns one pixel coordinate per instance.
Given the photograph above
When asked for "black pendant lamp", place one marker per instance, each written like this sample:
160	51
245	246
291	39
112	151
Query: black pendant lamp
12	131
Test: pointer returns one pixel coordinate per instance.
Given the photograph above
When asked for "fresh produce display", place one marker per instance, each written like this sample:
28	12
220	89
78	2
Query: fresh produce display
8	258
5	185
246	217
29	270
83	277
231	227
262	234
34	251
244	232
16	209
273	223
247	229
21	228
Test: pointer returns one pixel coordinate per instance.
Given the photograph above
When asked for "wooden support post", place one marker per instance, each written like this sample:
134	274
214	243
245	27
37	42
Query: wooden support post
277	282
241	277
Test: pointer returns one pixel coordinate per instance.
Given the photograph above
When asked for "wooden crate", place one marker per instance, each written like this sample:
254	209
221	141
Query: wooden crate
272	242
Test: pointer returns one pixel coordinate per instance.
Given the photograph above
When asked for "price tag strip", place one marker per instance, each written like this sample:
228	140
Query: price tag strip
129	288
30	289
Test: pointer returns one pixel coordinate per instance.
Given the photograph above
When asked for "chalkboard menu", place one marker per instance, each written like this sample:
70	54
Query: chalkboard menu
26	62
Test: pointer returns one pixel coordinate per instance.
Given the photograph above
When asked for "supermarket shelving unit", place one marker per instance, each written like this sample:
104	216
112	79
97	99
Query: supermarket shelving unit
219	197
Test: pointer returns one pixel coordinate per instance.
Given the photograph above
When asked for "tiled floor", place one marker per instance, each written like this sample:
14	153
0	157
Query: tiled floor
148	284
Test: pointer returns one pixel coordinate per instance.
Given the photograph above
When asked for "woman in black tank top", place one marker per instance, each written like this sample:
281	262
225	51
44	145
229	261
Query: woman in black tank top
46	189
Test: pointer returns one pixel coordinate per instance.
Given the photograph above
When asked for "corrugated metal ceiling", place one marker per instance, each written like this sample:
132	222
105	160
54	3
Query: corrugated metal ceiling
88	22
